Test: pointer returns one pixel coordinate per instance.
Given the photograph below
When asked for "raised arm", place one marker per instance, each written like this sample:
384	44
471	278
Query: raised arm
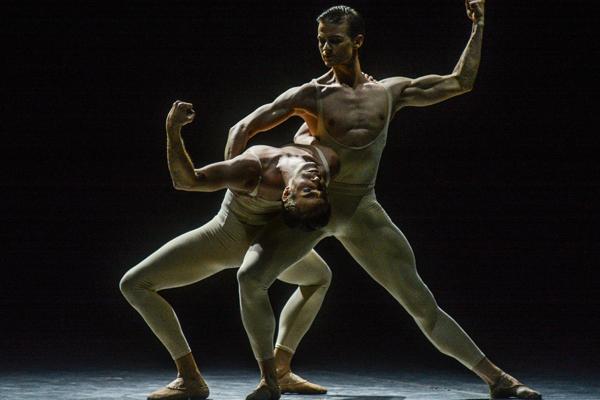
431	89
295	101
239	173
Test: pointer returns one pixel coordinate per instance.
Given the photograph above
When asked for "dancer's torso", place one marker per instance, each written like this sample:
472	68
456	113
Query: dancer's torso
354	123
251	210
357	136
263	202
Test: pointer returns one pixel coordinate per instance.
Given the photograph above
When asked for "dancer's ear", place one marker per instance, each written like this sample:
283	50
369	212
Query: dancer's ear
358	41
286	194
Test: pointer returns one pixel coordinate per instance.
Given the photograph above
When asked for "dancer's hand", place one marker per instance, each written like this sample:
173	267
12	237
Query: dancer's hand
181	114
369	78
475	10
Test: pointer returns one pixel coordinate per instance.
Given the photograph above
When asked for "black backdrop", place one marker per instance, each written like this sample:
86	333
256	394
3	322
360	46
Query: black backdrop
496	190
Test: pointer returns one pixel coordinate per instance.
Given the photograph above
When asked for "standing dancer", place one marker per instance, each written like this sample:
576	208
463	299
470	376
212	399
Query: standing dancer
347	112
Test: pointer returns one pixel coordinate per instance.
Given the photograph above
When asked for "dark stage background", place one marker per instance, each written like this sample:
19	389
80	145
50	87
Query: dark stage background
497	190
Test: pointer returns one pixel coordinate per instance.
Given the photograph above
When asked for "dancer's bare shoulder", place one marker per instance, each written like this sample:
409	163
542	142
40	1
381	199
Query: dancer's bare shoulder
265	157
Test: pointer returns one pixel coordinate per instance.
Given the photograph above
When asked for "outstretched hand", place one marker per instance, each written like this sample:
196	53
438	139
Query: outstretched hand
475	10
181	114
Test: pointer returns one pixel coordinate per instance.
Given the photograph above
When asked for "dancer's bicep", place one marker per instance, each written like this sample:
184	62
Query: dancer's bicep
238	174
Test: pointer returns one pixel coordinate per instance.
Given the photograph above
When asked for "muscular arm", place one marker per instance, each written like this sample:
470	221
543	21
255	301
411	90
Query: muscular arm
304	137
432	89
235	174
295	101
180	164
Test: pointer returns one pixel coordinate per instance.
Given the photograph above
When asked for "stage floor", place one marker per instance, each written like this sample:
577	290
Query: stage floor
235	384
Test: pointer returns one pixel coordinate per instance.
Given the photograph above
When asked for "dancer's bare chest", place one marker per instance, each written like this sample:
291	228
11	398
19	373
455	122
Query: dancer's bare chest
354	117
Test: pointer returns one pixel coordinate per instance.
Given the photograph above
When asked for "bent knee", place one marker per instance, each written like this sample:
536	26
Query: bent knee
127	284
248	280
131	283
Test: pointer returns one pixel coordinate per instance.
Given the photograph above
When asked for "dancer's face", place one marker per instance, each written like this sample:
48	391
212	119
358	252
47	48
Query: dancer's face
307	186
335	45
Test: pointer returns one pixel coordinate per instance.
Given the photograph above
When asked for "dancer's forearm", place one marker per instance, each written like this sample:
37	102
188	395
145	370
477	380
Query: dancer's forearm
180	164
466	69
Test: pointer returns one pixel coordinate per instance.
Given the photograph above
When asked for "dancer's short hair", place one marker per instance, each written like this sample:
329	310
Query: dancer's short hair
340	14
306	218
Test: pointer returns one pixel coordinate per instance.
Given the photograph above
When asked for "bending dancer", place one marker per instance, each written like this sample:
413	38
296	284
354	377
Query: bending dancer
350	114
258	181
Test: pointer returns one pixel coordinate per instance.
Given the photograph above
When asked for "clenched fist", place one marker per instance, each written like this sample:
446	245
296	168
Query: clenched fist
475	10
181	114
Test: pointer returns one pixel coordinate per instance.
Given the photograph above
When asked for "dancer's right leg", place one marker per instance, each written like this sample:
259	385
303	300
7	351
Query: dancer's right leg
184	260
191	257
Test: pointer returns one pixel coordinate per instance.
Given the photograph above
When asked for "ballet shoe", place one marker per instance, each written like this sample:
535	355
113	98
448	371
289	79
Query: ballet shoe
507	387
181	390
292	383
264	392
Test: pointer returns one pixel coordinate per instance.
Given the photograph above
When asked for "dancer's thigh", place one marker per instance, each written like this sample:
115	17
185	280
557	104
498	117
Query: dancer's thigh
195	255
384	252
275	249
310	270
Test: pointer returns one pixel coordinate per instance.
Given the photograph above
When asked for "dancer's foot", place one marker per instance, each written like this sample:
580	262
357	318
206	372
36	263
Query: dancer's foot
508	387
292	383
264	392
179	389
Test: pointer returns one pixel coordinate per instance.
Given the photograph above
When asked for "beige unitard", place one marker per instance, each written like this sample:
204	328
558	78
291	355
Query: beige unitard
365	230
219	244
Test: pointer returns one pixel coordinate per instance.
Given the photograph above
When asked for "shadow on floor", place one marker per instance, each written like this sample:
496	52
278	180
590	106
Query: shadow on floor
364	397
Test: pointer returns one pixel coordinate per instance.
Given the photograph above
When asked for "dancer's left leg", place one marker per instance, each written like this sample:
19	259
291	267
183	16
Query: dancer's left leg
275	249
313	276
383	251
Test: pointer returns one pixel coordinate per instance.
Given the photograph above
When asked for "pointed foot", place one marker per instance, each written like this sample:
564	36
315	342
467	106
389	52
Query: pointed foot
292	383
180	389
265	392
508	387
